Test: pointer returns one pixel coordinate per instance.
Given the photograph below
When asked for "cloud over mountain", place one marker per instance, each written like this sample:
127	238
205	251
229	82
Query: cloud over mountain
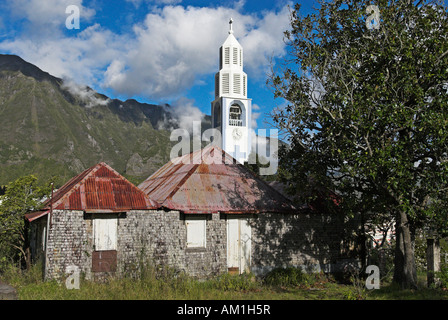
160	56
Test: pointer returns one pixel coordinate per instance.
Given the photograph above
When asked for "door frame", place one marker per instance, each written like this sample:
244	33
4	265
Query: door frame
242	246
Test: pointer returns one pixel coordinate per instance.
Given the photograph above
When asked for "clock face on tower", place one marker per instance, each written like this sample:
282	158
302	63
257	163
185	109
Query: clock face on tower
237	134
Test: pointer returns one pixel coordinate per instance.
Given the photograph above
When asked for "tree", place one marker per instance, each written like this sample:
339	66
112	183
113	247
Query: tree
21	196
256	162
367	112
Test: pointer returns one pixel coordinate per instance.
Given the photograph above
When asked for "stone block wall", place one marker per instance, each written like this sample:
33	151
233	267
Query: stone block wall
143	237
159	237
311	241
69	243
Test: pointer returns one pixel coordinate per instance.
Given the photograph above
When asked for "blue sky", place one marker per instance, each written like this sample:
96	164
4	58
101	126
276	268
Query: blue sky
155	51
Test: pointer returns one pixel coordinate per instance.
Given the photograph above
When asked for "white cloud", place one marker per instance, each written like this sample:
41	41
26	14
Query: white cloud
45	18
265	41
176	45
137	3
185	116
188	115
173	47
84	93
160	58
82	58
255	115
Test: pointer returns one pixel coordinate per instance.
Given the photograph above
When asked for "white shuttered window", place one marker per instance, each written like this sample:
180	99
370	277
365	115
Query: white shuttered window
196	234
105	233
227	55
225	83
237	83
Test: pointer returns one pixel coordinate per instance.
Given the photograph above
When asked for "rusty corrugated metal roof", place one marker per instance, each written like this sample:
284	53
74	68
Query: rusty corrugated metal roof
98	189
36	215
209	181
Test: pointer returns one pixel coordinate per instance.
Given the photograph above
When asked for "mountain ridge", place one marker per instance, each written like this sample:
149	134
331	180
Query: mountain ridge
53	128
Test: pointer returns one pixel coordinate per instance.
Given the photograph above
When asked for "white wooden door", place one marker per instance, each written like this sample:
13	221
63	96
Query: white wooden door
245	245
233	243
239	244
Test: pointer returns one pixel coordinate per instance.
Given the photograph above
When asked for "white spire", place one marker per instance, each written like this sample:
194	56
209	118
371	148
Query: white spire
231	109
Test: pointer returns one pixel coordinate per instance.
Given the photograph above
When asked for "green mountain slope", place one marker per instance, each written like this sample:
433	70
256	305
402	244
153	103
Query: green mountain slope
47	130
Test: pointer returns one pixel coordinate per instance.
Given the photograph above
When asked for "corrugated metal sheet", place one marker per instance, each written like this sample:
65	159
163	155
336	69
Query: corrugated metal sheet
36	215
209	181
98	189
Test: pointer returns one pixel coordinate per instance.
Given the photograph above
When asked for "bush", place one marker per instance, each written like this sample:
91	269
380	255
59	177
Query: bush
285	277
443	276
229	282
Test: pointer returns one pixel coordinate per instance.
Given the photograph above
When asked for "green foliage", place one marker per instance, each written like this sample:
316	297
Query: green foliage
21	196
366	112
444	252
159	284
229	282
443	276
255	163
383	257
285	277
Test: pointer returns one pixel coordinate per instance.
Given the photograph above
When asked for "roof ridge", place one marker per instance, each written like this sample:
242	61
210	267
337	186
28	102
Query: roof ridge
87	174
215	181
70	190
266	184
182	181
146	197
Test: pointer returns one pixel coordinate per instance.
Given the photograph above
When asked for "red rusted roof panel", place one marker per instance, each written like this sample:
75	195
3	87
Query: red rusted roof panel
36	215
101	188
212	182
75	199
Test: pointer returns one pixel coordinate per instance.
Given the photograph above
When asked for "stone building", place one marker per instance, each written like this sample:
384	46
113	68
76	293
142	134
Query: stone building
84	225
203	213
224	218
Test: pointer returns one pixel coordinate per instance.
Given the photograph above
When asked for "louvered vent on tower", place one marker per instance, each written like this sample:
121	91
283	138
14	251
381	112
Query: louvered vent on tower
227	55
217	85
237	83
225	83
244	86
235	55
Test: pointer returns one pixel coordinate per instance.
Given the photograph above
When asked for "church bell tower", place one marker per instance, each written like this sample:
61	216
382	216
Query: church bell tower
231	109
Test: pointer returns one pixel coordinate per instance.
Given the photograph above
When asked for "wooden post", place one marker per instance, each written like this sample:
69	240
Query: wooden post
433	261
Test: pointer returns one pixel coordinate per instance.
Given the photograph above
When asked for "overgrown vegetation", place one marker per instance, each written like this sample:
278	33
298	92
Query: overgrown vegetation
366	114
164	283
285	277
21	196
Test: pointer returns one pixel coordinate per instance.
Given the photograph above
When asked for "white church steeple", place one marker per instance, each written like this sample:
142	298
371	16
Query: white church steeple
231	109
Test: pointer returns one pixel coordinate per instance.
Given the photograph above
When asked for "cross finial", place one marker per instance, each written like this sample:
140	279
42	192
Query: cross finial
230	25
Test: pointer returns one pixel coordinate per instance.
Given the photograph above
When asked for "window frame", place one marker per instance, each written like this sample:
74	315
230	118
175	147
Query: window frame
196	227
112	242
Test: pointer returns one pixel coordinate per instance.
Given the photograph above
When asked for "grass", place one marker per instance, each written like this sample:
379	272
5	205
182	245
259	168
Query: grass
164	284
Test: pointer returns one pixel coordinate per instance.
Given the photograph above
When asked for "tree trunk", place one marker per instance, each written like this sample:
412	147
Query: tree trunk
26	245
405	272
28	258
